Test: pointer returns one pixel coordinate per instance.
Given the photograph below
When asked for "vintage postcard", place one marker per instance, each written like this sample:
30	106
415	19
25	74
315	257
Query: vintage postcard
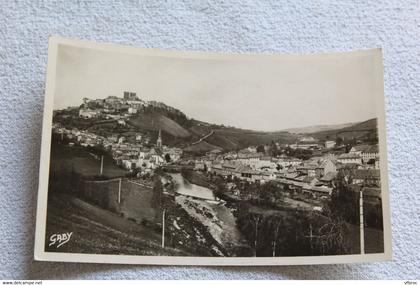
188	158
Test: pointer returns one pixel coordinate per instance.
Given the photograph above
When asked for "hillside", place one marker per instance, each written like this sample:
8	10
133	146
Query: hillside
199	137
366	130
318	128
201	147
229	138
156	122
243	138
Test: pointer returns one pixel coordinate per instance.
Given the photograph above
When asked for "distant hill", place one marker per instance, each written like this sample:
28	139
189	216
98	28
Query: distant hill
199	137
318	128
228	138
367	130
178	130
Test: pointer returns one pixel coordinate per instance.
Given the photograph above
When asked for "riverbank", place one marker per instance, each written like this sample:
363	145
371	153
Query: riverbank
220	224
186	231
213	214
197	178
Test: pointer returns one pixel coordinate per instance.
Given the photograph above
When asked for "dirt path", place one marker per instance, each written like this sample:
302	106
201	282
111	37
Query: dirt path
203	138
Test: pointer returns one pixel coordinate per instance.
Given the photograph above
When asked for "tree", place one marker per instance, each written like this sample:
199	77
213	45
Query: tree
339	141
134	173
260	148
255	219
344	201
371	161
277	225
220	186
273	149
167	158
348	147
158	197
270	192
329	237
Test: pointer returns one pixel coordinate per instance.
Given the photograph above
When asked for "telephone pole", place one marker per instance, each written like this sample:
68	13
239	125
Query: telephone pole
310	237
276	233
119	191
163	228
362	226
102	165
256	220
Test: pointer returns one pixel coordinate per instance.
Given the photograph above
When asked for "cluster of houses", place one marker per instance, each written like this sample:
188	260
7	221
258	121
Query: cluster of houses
315	176
117	108
146	158
312	144
361	155
131	156
139	154
112	107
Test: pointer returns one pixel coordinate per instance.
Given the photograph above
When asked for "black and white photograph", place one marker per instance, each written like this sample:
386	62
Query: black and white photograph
168	157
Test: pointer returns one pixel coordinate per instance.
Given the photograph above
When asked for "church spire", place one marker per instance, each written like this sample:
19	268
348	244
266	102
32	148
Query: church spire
159	140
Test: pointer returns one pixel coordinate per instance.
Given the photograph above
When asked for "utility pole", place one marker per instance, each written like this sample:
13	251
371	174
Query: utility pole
256	220
362	226
163	228
276	233
310	237
119	191
102	165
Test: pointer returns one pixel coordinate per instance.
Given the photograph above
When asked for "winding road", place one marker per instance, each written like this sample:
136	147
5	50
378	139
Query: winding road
203	138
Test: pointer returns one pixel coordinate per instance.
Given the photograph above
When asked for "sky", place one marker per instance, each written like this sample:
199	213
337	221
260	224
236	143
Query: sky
258	93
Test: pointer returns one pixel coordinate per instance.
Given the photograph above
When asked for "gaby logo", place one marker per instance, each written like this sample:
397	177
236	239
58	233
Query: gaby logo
60	239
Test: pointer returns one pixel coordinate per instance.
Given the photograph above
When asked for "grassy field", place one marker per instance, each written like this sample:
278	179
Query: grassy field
66	158
98	231
136	199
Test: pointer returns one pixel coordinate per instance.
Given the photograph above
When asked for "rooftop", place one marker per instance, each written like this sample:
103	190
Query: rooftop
348	156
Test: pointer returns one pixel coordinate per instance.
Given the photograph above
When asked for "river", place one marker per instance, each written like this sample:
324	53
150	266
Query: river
186	188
